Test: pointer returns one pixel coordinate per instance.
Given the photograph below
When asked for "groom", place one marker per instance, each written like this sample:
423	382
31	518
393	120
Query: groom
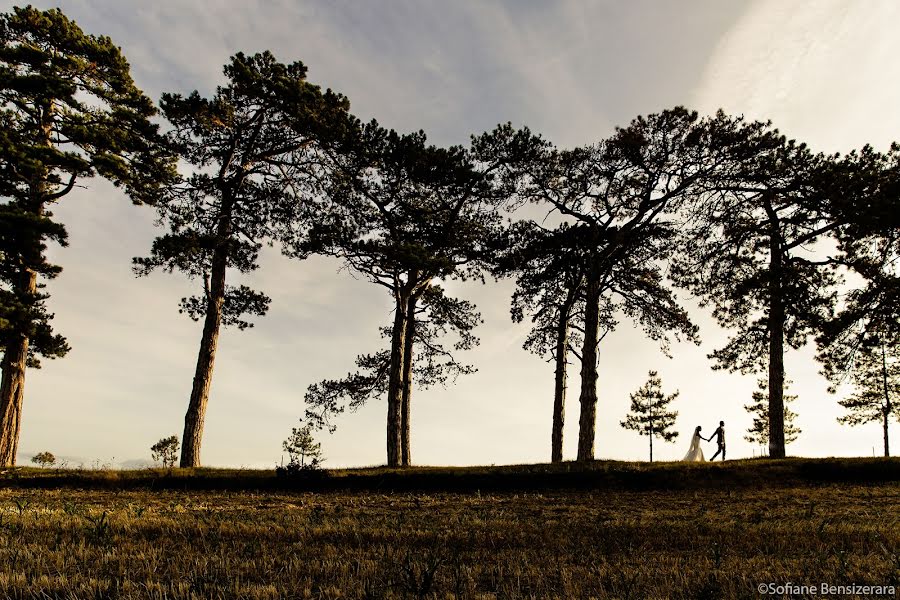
719	434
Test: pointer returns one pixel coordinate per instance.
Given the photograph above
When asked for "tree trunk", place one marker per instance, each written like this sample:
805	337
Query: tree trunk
215	301
588	420
887	400
12	388
409	339
196	413
559	390
651	446
395	382
776	348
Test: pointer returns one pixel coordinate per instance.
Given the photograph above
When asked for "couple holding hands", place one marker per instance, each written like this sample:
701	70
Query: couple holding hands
695	453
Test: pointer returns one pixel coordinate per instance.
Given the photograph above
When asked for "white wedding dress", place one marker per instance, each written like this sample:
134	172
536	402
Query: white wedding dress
695	454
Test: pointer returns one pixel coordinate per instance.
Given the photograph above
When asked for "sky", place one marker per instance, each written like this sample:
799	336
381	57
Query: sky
824	71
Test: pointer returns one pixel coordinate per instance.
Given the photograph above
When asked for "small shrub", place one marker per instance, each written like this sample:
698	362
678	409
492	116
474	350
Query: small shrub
44	459
165	451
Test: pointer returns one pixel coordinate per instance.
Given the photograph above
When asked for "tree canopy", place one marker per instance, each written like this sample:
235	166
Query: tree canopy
69	110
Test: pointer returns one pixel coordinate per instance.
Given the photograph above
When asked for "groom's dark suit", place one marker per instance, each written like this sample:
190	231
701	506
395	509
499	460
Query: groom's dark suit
720	441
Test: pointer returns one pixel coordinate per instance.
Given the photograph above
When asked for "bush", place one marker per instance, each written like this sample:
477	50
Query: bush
44	459
165	451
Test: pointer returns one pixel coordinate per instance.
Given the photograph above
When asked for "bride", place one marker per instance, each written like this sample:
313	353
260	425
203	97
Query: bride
695	453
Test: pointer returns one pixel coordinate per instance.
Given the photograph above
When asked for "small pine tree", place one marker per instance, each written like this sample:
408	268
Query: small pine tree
165	451
649	415
304	451
876	376
759	409
44	459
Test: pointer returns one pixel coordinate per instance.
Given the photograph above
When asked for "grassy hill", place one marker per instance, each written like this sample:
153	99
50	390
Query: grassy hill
737	474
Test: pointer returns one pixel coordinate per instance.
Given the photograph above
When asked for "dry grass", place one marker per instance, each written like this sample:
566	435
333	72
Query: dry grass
603	543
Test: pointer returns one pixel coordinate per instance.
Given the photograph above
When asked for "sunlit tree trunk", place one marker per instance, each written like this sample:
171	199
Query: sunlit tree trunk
887	400
196	413
588	398
12	388
409	339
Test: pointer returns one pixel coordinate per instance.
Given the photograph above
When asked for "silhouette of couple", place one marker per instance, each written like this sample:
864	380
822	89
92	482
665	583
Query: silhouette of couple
695	453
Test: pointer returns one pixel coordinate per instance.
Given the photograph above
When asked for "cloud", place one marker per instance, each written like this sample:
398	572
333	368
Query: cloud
824	72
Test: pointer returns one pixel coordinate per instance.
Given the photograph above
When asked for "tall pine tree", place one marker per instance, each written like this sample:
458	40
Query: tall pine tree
256	149
69	110
622	200
402	214
747	253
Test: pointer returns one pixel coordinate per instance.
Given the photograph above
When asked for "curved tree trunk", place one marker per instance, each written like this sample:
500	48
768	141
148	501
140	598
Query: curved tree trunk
395	382
409	340
887	400
587	421
196	413
215	301
559	389
12	388
776	348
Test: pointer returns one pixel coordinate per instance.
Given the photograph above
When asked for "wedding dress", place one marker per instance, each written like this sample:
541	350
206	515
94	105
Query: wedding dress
695	454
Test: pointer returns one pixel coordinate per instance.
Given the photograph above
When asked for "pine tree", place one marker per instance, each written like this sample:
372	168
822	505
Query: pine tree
403	214
865	196
876	376
69	110
746	253
758	433
165	451
550	290
649	412
433	317
304	451
255	149
623	198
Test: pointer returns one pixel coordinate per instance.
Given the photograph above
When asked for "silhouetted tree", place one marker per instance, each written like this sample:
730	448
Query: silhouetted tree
649	412
302	448
758	433
165	451
746	255
434	364
44	459
875	373
403	214
622	197
69	110
255	149
550	290
863	190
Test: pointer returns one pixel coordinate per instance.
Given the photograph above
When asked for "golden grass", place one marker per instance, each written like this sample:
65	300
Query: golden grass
600	543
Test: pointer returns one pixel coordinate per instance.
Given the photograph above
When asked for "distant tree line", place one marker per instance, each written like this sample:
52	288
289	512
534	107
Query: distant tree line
754	225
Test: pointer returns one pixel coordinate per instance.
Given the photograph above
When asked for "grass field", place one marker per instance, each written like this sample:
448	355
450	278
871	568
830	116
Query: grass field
609	530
